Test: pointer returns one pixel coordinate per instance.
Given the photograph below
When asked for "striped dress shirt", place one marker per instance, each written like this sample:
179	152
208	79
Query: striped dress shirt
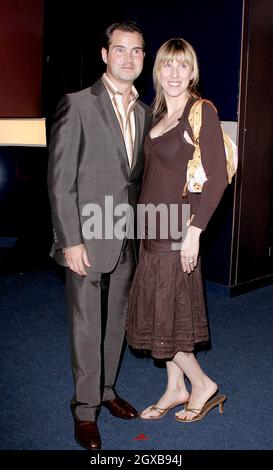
126	118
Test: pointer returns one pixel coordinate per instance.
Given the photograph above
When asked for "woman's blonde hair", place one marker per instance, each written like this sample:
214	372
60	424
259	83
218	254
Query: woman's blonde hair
174	49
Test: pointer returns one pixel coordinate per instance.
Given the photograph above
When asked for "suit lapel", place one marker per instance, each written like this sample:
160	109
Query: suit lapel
139	120
106	110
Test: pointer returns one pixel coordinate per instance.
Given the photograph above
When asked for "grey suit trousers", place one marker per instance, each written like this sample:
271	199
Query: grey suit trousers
97	305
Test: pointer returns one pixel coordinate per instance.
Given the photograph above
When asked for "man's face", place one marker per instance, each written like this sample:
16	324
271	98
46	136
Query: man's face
124	57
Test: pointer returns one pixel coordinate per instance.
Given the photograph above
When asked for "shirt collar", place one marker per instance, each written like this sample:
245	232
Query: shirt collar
113	90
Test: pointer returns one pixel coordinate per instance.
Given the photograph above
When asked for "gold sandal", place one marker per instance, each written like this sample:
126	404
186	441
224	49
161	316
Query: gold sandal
163	411
209	405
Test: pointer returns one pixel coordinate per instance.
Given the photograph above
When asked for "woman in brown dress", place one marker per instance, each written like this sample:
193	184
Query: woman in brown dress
166	312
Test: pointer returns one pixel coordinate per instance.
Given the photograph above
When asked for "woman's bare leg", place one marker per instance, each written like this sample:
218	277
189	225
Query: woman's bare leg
176	391
202	386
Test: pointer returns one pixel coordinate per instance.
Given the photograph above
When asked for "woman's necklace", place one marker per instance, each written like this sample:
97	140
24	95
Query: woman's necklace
173	122
169	126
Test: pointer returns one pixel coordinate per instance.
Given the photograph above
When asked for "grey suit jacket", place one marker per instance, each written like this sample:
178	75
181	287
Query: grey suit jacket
87	161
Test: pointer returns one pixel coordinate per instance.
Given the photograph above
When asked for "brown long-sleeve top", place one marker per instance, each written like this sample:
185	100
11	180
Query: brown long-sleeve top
166	158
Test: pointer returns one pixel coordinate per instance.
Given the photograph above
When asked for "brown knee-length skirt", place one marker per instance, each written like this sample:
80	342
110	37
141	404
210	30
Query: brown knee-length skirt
166	310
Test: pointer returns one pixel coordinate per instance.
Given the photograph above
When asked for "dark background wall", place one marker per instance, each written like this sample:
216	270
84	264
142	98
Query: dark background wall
72	44
21	46
71	61
252	254
24	210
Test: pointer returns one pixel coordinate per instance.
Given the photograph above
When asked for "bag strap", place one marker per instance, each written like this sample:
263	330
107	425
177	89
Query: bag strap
227	143
195	120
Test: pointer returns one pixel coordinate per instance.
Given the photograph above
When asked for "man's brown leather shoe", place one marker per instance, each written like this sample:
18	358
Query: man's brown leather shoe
120	408
87	434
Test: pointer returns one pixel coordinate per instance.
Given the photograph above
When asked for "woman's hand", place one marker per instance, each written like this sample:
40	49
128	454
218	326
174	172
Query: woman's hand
190	249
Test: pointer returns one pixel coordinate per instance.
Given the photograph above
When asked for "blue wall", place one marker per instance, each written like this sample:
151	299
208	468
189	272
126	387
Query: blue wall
213	27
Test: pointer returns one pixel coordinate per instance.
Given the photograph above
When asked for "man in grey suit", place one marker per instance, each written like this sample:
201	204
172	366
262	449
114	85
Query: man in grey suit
96	150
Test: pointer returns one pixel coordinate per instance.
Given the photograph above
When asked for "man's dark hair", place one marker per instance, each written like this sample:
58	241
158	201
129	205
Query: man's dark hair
126	26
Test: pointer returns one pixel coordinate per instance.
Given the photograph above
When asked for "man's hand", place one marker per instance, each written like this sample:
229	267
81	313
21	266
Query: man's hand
76	258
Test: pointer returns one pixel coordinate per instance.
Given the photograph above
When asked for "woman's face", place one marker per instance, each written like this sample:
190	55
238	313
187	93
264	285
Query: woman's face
174	77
